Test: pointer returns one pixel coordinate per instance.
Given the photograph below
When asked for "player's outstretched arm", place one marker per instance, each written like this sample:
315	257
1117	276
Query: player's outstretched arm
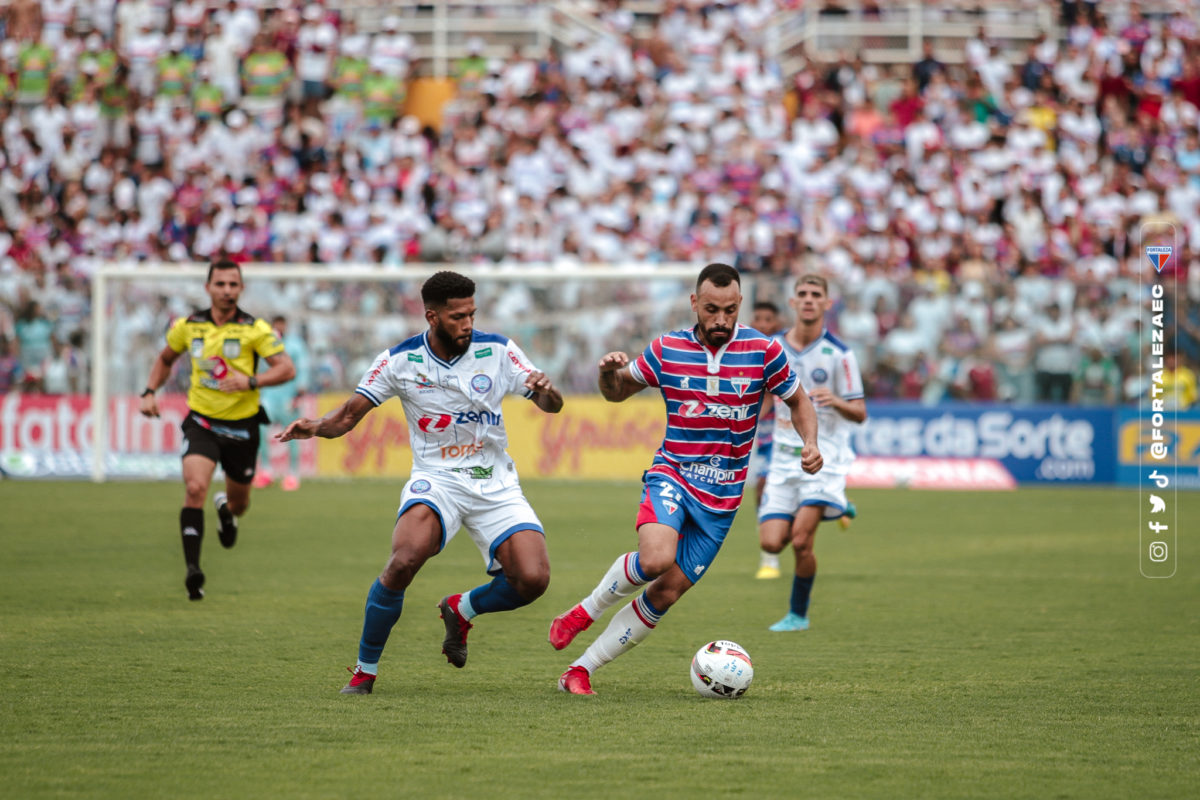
334	424
616	383
546	395
804	420
853	410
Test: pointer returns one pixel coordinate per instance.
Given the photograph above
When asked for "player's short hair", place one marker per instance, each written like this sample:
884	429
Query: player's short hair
222	264
766	305
720	275
278	318
444	286
815	280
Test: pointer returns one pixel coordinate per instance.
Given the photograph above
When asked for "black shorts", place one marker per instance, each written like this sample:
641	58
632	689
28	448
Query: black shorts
231	443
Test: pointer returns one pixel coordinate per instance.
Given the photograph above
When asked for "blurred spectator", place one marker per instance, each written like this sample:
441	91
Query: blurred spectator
1178	382
982	191
1098	379
1055	359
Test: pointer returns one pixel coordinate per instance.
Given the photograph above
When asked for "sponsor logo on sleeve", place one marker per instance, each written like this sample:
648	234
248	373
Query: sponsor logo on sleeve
420	486
375	372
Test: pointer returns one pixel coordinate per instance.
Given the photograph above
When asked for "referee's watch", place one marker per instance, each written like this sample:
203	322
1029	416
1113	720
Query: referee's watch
146	391
253	383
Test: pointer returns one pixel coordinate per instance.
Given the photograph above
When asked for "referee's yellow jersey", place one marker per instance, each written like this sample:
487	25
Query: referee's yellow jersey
215	350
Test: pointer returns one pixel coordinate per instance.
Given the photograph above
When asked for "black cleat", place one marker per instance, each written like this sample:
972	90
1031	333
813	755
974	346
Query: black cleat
454	646
227	532
194	583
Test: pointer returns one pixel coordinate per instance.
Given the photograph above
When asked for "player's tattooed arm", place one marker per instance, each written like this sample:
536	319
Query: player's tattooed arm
546	395
334	424
616	384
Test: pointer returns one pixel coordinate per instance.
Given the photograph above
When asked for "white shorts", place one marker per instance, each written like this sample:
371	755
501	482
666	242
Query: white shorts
491	509
760	462
789	487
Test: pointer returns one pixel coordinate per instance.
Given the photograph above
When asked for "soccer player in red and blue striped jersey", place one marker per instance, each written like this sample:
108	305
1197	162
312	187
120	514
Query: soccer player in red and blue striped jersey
713	378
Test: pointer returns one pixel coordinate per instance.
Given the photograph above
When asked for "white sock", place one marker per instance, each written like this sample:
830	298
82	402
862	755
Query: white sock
465	609
622	579
629	626
769	560
370	669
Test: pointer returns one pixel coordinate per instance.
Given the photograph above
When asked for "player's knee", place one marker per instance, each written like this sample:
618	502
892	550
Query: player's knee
802	545
196	489
400	569
531	585
654	564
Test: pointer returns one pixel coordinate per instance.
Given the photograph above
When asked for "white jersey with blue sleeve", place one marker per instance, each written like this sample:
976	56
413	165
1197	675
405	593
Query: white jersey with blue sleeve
453	407
827	363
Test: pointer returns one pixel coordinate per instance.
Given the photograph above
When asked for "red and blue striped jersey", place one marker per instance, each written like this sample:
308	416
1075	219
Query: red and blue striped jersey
713	400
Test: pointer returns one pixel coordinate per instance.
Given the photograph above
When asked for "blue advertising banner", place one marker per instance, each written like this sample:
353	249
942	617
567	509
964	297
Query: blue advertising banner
1181	432
1037	444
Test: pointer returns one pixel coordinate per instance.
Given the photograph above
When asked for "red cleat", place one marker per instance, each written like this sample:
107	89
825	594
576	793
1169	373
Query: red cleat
454	646
575	680
360	682
568	625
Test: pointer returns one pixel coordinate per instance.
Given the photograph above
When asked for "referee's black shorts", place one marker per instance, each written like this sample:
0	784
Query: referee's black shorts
231	443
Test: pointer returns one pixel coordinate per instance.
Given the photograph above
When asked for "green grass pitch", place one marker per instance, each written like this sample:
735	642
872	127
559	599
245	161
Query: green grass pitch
963	645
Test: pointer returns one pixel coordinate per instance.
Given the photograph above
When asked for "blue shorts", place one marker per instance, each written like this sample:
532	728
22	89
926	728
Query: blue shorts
701	530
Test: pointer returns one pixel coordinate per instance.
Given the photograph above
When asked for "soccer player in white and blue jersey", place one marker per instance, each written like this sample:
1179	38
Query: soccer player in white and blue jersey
451	380
795	502
713	378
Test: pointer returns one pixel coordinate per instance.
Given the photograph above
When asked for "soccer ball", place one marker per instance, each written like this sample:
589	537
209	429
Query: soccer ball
722	669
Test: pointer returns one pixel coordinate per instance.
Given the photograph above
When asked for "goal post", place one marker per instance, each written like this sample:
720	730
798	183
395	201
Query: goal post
564	317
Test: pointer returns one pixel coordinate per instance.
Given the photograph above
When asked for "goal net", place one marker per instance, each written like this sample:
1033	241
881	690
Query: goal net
564	318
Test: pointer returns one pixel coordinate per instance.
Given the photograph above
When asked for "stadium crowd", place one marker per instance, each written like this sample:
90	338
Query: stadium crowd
980	221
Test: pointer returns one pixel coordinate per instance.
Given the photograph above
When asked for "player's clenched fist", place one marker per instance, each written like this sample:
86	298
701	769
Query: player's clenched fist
810	459
538	382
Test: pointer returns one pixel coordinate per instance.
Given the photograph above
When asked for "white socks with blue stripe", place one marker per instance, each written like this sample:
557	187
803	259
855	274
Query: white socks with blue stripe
629	626
623	578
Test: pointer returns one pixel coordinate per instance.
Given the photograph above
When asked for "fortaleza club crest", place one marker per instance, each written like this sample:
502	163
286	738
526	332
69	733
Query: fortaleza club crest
1159	255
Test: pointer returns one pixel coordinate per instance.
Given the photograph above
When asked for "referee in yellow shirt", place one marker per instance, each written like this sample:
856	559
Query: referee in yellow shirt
222	426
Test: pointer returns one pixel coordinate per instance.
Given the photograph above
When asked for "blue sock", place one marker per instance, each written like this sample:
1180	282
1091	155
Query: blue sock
801	589
383	609
499	595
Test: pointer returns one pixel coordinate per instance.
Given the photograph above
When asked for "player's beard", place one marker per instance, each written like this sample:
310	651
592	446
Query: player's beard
716	337
456	347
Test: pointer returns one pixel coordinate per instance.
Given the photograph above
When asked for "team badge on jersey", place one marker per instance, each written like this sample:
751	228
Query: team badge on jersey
481	383
232	348
740	385
819	375
420	487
